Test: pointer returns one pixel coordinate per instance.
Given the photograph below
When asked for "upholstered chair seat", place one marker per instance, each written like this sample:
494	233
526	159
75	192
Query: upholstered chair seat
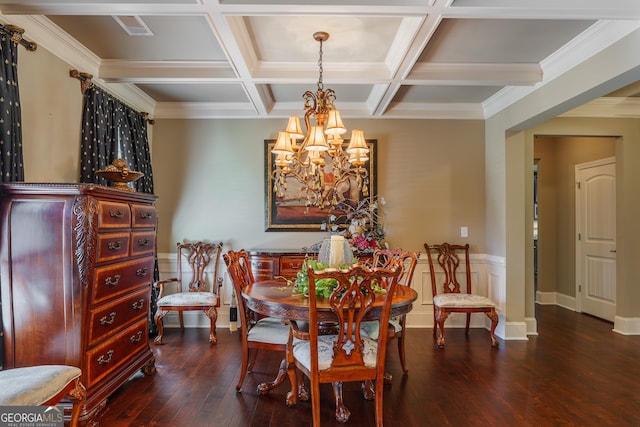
462	300
302	352
43	385
269	330
189	299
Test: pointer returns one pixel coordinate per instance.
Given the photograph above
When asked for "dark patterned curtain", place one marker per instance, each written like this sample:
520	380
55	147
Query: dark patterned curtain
112	130
10	114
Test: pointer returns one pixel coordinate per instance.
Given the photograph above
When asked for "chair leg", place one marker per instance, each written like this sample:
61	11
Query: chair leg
315	402
441	315
466	330
77	395
159	315
342	412
494	322
243	369
292	396
252	356
379	403
181	321
212	314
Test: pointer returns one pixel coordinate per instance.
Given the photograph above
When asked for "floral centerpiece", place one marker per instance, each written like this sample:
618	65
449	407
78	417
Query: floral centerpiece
324	287
361	224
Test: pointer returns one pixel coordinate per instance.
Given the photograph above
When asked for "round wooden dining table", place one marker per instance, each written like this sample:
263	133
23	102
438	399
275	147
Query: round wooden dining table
273	298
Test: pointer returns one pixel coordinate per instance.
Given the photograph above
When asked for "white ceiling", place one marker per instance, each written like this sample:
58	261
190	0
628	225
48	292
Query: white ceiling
384	58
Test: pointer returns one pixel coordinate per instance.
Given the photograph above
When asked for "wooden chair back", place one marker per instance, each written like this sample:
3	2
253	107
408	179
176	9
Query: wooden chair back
449	258
239	269
397	258
406	261
351	300
199	256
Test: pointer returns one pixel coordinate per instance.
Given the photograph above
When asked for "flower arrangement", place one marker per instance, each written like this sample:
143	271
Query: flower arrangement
364	228
324	287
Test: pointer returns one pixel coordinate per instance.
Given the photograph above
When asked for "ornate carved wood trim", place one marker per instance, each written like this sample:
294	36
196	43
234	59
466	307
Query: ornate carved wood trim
85	210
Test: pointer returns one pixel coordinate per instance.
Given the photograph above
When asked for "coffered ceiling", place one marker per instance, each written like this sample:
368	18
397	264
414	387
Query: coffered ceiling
384	58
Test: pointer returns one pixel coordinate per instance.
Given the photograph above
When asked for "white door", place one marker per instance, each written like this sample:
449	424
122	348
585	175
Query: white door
596	234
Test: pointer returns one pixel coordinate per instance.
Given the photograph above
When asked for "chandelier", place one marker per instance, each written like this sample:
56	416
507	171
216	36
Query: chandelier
323	168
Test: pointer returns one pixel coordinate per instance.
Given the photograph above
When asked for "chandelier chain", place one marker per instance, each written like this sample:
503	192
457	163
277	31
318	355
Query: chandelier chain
320	83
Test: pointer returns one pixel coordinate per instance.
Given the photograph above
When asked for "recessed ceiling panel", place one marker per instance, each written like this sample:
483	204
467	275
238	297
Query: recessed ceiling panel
445	94
344	93
105	38
499	40
351	39
195	92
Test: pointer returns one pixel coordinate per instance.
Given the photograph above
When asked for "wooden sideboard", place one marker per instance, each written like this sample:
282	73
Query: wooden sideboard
268	264
77	262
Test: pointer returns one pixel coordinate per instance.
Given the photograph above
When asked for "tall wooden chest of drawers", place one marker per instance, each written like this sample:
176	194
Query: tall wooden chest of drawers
76	266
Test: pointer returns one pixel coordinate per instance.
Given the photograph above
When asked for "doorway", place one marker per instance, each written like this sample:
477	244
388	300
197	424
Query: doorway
555	188
596	238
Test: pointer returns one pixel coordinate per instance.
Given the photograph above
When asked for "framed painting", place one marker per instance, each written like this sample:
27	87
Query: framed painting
289	213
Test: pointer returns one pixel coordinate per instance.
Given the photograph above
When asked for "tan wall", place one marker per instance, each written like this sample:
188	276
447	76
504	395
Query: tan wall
556	209
51	116
209	175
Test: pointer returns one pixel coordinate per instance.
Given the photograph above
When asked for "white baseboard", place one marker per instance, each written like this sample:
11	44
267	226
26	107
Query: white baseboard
545	298
532	325
556	298
626	325
566	301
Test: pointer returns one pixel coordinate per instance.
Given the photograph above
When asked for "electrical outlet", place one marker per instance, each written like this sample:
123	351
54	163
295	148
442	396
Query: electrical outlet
464	232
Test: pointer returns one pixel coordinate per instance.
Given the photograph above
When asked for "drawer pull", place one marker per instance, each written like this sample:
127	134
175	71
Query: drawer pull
116	214
103	361
143	242
136	338
142	272
137	305
109	282
108	320
146	214
115	246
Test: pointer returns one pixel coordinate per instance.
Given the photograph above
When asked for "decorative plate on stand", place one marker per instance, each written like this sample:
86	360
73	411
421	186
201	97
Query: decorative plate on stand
120	175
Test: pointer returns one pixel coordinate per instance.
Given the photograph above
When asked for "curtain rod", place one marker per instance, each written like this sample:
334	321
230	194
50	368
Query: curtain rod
16	33
86	83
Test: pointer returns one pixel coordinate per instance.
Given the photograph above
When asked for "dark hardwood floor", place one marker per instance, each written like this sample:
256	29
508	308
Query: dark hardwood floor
576	372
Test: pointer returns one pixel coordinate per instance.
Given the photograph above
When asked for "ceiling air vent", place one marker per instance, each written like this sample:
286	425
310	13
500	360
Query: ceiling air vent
133	25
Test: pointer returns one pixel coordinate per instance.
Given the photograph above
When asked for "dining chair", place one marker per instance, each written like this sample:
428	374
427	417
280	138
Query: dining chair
452	299
264	333
406	261
194	290
347	355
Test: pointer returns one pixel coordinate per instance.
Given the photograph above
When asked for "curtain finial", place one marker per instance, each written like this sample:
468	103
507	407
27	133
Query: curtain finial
85	79
16	33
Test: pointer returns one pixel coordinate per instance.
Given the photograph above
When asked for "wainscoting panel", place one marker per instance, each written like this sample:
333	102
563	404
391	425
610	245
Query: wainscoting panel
487	275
